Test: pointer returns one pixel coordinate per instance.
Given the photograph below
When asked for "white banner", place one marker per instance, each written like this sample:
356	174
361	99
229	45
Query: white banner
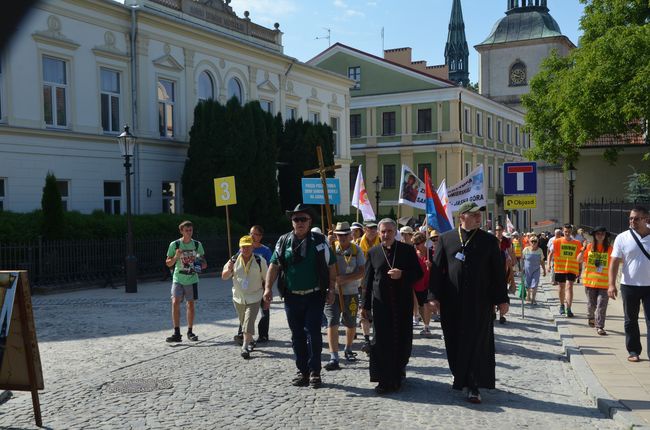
472	188
360	198
411	190
444	199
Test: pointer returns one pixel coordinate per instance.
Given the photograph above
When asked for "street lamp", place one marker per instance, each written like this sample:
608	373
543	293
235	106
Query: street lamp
127	143
572	173
377	183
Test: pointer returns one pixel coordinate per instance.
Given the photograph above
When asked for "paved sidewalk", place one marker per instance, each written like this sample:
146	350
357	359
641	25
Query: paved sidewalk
91	341
616	384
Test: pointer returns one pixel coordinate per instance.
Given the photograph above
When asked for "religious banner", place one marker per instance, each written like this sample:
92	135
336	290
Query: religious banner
444	199
472	188
411	191
360	198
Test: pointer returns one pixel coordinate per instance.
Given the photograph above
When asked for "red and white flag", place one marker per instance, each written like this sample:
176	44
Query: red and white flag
509	225
360	198
444	199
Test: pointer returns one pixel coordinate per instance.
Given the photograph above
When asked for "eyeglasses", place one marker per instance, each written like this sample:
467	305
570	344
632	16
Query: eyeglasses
300	219
434	239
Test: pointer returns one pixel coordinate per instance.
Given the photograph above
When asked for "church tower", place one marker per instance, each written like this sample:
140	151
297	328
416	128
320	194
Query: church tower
456	50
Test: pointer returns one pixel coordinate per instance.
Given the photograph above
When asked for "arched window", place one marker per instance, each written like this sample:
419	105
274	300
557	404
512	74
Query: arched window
452	65
460	64
206	86
234	89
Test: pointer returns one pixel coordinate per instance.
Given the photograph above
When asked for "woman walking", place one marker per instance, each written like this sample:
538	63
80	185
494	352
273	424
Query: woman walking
595	271
533	258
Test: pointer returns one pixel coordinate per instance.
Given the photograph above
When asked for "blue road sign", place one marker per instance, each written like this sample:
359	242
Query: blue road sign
312	191
519	178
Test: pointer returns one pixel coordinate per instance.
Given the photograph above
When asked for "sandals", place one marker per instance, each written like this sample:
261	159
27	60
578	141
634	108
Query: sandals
633	358
601	331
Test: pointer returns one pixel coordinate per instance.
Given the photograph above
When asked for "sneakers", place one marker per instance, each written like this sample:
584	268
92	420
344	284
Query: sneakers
569	314
561	309
601	331
502	319
175	338
245	353
349	355
474	396
191	336
314	380
366	347
332	365
300	380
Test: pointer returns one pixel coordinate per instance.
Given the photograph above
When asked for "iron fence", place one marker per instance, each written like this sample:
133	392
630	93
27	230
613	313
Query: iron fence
613	215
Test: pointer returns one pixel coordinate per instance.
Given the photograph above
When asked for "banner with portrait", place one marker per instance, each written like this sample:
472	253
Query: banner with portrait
411	190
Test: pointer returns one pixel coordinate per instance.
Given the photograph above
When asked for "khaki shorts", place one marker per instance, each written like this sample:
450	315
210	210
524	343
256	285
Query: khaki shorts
247	315
350	307
187	292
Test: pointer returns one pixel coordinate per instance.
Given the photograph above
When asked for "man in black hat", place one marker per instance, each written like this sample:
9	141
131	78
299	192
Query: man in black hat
306	266
467	281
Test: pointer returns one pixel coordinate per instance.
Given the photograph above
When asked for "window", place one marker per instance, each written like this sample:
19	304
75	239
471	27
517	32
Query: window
452	65
355	125
424	120
110	100
389	176
64	188
334	124
1	87
499	131
508	133
2	194
354	73
169	197
517	136
388	124
490	176
467	121
500	176
421	167
479	124
234	89
55	87
267	106
468	167
354	171
206	86
112	197
291	113
314	117
489	128
166	108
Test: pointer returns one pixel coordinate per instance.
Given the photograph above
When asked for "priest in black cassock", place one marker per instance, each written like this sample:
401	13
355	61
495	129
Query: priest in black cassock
391	269
467	281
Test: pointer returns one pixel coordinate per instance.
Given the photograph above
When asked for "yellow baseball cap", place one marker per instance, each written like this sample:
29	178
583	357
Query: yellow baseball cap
245	241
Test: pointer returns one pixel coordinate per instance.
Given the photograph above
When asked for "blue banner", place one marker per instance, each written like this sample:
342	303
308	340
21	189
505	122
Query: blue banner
312	191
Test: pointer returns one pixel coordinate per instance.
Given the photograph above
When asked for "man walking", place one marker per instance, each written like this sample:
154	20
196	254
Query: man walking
467	282
391	270
369	239
632	252
350	263
187	257
305	263
564	258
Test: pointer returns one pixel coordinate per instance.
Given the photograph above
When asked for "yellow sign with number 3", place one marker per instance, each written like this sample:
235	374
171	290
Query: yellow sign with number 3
224	191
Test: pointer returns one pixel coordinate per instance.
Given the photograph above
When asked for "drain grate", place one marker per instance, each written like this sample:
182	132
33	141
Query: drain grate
137	386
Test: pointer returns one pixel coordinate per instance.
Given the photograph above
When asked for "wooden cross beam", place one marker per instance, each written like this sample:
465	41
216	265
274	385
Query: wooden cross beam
321	170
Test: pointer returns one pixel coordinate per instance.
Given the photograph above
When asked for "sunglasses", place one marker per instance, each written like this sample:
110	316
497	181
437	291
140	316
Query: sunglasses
300	219
434	239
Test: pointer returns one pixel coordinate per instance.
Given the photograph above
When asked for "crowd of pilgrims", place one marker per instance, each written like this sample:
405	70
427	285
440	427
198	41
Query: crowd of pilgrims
394	282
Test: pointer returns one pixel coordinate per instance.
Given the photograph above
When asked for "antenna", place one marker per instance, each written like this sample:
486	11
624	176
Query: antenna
382	41
328	37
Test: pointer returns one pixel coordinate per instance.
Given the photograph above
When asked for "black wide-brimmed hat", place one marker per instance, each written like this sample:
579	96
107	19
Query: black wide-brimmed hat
302	208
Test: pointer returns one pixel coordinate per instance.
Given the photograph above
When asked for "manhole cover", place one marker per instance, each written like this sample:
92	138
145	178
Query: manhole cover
137	386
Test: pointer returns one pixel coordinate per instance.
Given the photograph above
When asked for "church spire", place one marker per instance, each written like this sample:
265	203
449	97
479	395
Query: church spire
456	50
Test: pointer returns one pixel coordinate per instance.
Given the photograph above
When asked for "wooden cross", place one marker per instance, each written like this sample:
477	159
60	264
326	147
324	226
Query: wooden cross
321	170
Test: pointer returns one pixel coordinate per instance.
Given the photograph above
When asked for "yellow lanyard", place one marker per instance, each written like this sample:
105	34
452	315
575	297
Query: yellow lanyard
247	266
464	244
340	251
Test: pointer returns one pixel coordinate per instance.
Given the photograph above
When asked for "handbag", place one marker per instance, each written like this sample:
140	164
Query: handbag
638	242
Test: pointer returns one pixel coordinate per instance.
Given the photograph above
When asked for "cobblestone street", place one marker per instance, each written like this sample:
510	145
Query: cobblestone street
92	340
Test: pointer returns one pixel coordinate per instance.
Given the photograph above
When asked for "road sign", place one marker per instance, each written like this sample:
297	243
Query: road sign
520	202
312	191
224	191
519	178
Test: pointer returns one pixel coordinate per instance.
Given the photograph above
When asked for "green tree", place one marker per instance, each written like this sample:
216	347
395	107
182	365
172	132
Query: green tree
638	187
52	206
601	88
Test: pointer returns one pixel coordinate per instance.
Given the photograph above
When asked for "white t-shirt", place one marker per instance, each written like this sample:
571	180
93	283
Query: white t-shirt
636	266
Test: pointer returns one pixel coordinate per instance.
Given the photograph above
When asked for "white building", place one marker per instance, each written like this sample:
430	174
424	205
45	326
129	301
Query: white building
78	70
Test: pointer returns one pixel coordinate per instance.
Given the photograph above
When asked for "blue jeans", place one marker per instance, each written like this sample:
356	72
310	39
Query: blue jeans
304	317
632	297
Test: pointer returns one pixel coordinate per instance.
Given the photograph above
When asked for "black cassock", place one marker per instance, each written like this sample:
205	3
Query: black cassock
468	291
391	302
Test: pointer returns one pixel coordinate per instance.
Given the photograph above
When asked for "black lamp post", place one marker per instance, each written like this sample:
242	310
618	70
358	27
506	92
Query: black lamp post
127	143
572	173
377	183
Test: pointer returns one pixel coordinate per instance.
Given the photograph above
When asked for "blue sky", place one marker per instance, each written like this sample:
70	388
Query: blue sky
420	24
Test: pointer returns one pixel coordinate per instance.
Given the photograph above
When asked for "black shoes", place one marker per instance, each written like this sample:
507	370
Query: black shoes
502	320
314	380
300	380
191	336
175	338
332	365
245	354
473	396
366	347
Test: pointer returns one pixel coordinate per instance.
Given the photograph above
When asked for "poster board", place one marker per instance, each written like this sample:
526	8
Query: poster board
20	368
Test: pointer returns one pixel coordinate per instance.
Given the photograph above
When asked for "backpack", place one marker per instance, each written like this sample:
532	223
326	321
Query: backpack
258	259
